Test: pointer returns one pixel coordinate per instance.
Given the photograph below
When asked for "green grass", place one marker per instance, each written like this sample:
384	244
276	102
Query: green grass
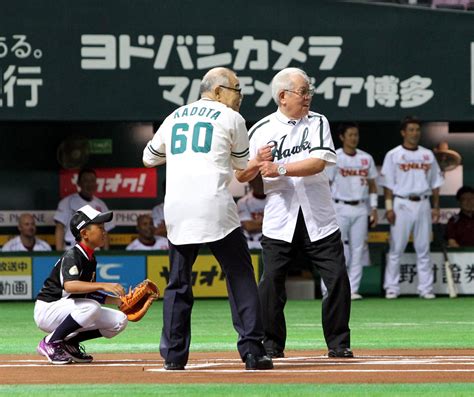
376	324
239	390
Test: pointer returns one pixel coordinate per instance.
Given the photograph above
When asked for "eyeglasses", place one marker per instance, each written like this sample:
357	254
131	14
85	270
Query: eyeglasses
304	92
237	90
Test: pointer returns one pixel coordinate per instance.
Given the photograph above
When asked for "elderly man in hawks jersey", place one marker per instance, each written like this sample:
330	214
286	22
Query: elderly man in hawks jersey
299	214
410	175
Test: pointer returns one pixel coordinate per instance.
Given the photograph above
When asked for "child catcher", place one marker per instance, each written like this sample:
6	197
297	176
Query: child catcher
69	306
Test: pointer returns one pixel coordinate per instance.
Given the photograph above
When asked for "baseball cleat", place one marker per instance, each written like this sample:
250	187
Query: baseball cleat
428	296
77	353
356	297
275	354
170	366
391	295
340	353
54	352
253	362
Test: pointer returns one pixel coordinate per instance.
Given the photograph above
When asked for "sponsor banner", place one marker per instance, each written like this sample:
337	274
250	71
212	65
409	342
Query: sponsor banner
15	278
207	277
126	270
125	71
114	182
46	218
463	273
42	266
129	217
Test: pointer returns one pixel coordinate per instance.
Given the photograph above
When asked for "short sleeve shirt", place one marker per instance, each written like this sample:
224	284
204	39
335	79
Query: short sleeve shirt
411	172
15	244
161	243
296	140
201	143
73	265
349	176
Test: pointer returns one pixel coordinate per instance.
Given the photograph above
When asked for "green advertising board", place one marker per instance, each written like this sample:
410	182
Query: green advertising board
138	60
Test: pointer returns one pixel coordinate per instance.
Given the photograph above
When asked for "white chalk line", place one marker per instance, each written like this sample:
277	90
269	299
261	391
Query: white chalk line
206	365
276	371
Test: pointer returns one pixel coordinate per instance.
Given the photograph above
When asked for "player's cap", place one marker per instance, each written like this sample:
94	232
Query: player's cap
85	216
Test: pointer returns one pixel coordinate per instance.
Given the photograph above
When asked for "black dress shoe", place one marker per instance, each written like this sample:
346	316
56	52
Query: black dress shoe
173	366
275	354
340	353
258	362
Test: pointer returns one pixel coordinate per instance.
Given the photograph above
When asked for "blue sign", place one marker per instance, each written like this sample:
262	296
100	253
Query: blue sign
126	270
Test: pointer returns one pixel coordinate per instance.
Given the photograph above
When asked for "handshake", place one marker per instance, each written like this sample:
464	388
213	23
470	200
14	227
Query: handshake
264	160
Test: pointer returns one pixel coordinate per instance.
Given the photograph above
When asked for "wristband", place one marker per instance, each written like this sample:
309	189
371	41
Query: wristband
388	205
373	200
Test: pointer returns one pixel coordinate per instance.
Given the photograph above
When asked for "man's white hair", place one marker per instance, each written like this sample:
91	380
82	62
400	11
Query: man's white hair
282	81
213	78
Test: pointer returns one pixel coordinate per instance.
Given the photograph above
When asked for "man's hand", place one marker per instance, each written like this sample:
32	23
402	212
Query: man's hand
435	213
373	218
390	215
269	169
265	154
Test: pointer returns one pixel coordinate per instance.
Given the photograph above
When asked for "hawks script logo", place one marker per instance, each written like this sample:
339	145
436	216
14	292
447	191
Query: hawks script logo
279	152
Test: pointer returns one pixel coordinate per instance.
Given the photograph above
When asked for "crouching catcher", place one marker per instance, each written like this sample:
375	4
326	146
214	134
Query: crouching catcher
69	306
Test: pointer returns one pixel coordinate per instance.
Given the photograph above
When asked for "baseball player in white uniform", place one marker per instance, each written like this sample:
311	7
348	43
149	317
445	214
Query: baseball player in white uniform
147	240
27	240
69	305
201	144
410	175
299	214
251	208
87	182
353	190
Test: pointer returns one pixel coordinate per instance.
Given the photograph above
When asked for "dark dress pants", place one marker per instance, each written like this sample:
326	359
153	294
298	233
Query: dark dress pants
327	255
234	258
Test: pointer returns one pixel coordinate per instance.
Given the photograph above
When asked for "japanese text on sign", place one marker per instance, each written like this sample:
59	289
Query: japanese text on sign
108	52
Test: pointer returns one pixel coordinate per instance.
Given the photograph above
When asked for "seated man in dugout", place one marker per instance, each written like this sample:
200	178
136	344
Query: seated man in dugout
460	228
27	240
147	239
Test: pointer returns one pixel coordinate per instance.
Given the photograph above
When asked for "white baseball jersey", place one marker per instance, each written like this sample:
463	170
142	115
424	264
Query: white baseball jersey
411	172
349	176
201	144
69	205
161	243
15	244
295	140
251	208
157	214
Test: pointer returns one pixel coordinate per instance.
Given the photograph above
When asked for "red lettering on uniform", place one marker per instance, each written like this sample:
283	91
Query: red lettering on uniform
415	166
354	172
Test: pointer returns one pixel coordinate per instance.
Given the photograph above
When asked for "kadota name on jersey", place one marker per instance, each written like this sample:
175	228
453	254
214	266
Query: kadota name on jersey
280	153
186	111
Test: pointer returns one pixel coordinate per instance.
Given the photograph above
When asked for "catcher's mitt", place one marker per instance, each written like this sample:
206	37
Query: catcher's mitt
137	302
